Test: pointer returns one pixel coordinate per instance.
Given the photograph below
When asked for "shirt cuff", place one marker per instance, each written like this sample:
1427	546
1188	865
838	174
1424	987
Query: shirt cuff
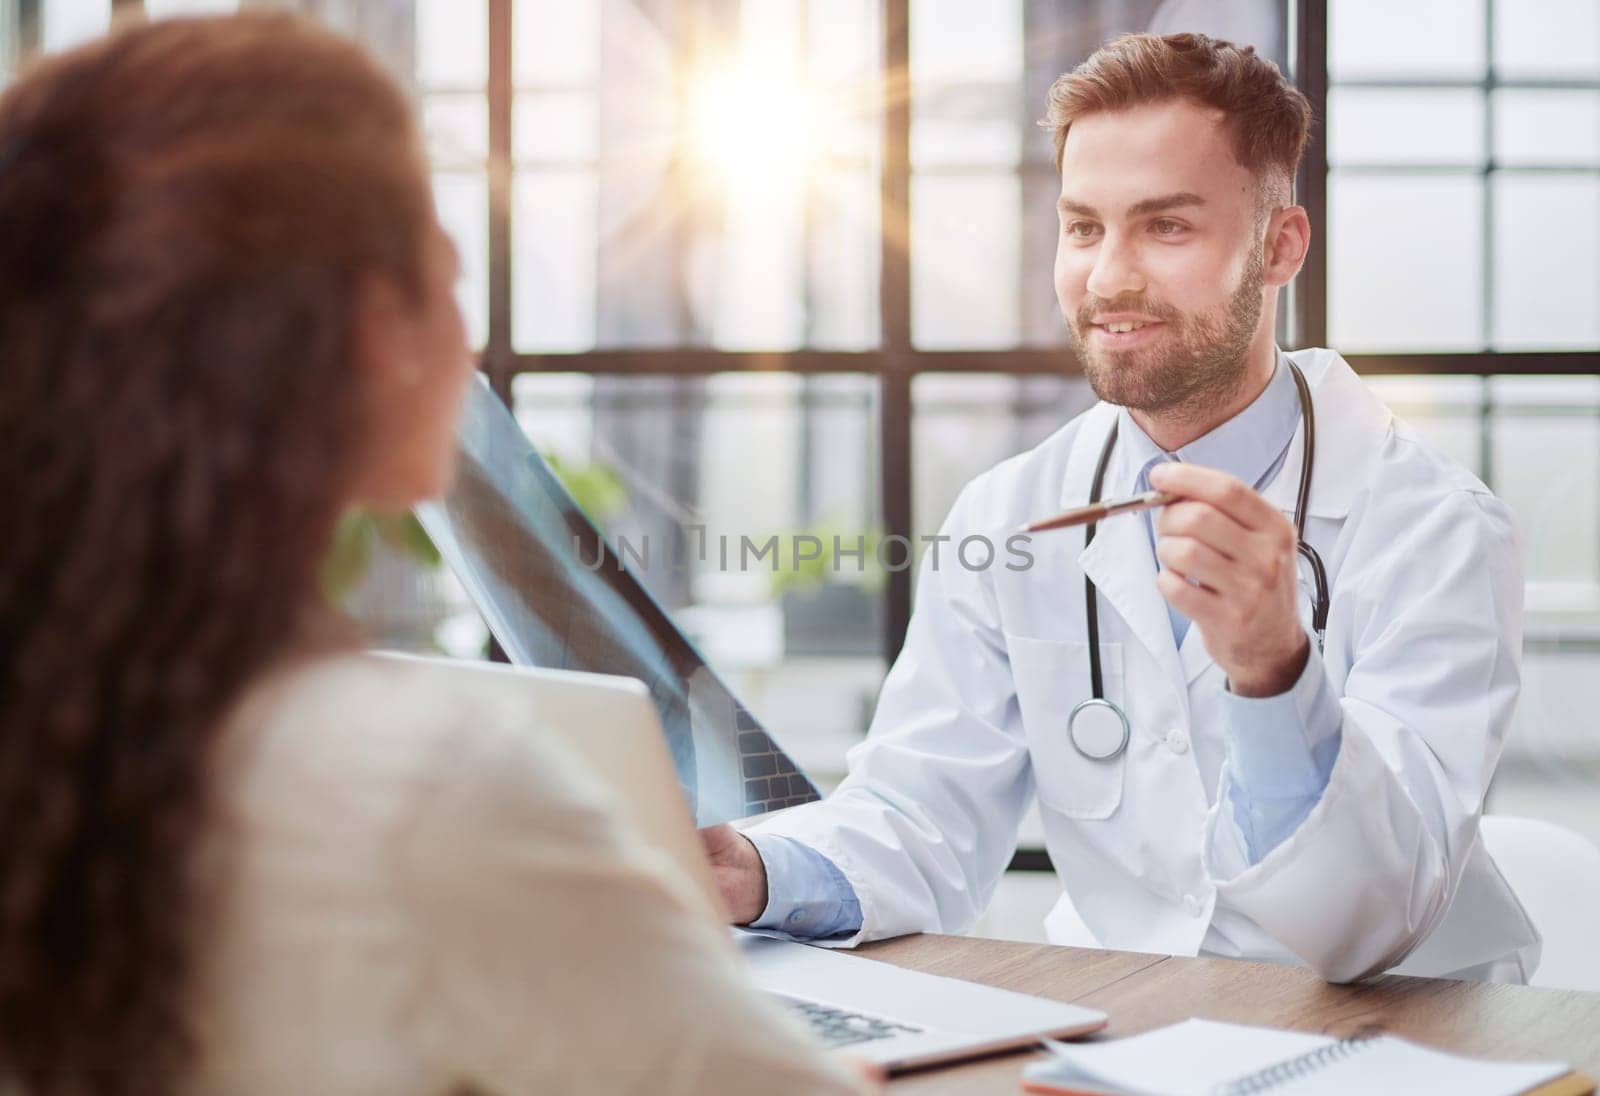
1281	751
807	895
1284	745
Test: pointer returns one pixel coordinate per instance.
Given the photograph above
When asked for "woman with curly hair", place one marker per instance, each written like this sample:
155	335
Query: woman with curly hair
235	857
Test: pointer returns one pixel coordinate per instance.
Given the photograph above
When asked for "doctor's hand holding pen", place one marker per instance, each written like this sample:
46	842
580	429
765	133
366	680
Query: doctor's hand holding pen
1228	563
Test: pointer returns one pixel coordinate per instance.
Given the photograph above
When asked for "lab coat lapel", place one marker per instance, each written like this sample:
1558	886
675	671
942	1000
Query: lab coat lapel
1351	426
1193	656
1119	560
1353	423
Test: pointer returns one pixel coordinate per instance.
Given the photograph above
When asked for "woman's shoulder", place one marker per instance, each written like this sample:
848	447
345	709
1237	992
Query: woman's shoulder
348	724
396	698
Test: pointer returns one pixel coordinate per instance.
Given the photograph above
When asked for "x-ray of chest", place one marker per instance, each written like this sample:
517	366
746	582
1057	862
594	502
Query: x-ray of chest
554	594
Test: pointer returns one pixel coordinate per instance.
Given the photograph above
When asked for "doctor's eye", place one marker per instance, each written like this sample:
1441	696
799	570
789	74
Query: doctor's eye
1081	230
1165	226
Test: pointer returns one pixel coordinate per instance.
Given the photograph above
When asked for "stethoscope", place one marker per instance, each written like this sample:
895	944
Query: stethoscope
1098	727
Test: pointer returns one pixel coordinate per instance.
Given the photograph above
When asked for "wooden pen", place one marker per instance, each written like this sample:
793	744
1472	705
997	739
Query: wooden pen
1083	515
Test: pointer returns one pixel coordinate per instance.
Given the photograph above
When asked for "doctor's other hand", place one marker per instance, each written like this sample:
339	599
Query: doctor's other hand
740	874
1241	550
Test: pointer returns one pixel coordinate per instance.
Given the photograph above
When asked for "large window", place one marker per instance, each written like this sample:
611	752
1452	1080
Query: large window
782	267
1464	147
1464	238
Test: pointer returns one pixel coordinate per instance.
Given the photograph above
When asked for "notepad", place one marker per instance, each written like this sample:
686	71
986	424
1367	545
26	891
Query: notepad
1207	1058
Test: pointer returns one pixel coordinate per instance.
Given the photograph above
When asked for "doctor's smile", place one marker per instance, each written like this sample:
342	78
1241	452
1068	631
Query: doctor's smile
1259	677
1125	332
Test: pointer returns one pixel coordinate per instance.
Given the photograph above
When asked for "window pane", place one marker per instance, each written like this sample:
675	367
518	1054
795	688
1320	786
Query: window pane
843	68
463	203
964	261
665	461
555	127
748	287
1546	127
845	257
957	41
452	44
747	267
1554	725
733	170
556	411
643	217
65	23
1419	38
966	71
556	42
1547	267
1546	434
1446	411
967	133
844	40
1547	443
842	482
1259	23
1405	262
457	129
951	129
964	424
1386	126
1547	38
553	261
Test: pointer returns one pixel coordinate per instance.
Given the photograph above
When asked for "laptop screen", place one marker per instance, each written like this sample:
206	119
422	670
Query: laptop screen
554	594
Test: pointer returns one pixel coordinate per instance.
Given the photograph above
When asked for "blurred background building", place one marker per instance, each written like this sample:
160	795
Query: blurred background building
783	266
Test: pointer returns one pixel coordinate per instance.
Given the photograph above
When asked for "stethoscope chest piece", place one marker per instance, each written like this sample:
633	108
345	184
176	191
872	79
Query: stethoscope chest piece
1098	728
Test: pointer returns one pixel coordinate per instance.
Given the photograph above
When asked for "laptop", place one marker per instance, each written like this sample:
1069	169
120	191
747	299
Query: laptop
896	1018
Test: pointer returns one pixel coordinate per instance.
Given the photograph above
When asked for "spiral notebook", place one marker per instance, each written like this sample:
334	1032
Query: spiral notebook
1207	1058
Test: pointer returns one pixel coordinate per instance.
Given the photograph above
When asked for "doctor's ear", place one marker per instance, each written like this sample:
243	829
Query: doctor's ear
1284	250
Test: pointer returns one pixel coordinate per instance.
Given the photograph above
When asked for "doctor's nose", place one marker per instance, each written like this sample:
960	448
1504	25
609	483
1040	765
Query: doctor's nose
1115	272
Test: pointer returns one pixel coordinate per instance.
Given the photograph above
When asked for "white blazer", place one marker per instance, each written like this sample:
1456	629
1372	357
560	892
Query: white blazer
407	889
1423	644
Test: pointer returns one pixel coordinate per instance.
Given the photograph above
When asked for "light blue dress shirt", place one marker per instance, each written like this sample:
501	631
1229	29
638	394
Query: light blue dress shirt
1280	749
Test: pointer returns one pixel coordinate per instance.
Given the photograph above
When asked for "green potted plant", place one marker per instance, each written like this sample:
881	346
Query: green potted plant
832	602
399	602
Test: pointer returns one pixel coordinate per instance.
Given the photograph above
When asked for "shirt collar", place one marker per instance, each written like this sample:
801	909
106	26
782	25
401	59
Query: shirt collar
1249	446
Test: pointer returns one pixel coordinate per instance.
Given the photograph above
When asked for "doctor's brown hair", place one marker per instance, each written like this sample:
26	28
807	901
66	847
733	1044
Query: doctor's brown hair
187	210
1269	116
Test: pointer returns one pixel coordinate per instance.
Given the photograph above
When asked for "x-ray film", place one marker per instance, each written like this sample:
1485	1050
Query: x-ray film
554	594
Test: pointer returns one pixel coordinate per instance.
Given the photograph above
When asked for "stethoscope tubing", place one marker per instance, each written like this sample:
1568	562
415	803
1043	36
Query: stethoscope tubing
1319	574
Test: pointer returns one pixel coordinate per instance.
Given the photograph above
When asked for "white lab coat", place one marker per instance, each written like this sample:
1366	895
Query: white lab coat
1423	644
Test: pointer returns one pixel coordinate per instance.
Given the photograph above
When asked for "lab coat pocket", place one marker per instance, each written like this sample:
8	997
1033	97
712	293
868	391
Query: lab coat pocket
1052	677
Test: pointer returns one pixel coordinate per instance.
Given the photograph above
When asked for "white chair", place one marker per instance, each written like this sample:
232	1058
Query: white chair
1556	875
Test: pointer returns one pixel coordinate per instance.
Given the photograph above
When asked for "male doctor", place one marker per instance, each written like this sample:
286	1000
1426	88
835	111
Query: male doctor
1274	800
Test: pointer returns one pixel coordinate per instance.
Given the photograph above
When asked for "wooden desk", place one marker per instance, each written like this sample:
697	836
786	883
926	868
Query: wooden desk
1140	992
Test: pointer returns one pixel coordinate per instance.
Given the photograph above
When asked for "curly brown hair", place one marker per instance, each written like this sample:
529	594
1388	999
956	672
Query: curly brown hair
186	210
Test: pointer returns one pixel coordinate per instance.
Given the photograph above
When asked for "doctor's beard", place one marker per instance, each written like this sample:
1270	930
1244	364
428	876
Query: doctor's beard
1198	363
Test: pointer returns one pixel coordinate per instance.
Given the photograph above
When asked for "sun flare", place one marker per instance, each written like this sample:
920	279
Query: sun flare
746	125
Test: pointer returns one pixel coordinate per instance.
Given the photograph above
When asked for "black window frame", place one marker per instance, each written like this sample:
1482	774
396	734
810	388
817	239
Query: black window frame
896	361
